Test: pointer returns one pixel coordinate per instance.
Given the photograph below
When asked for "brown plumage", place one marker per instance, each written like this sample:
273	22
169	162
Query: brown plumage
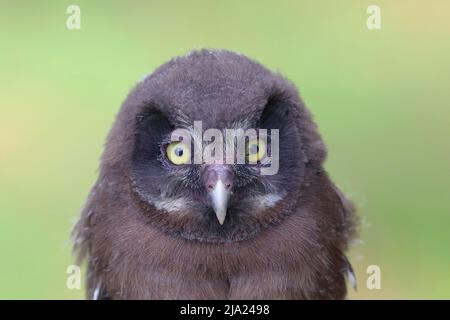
142	244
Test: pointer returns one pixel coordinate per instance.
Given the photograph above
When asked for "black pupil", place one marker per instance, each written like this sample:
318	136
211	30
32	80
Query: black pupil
178	151
254	149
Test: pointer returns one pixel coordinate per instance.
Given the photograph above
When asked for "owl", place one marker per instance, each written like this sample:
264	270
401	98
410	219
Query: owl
171	217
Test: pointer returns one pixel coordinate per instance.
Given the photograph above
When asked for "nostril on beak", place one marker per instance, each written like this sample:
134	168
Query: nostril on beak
218	181
213	174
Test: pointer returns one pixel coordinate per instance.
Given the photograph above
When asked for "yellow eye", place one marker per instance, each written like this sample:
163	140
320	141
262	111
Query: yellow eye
256	150
178	153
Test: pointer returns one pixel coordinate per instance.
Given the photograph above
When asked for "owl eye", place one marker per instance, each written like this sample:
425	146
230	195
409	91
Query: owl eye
256	150
178	153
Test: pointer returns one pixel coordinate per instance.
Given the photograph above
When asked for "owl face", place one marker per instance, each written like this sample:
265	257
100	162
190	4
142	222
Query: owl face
214	199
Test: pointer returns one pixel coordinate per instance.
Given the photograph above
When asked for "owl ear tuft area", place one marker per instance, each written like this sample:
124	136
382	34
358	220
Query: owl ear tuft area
152	126
285	111
275	114
153	119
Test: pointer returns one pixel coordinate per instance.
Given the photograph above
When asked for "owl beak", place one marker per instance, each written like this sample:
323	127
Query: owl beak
219	199
218	181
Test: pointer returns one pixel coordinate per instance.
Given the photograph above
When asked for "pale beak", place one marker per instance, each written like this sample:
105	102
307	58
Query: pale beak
219	196
218	181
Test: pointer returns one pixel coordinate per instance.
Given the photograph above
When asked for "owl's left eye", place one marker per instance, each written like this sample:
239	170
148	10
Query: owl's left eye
178	153
256	150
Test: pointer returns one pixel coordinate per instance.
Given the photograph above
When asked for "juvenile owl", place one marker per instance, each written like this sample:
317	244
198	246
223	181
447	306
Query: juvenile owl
211	186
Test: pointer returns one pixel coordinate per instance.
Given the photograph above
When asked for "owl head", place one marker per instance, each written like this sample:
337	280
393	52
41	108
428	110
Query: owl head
213	147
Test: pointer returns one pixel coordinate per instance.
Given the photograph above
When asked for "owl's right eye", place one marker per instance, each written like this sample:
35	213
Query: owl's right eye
256	150
178	153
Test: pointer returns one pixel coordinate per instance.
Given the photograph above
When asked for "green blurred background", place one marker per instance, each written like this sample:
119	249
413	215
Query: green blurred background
381	99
